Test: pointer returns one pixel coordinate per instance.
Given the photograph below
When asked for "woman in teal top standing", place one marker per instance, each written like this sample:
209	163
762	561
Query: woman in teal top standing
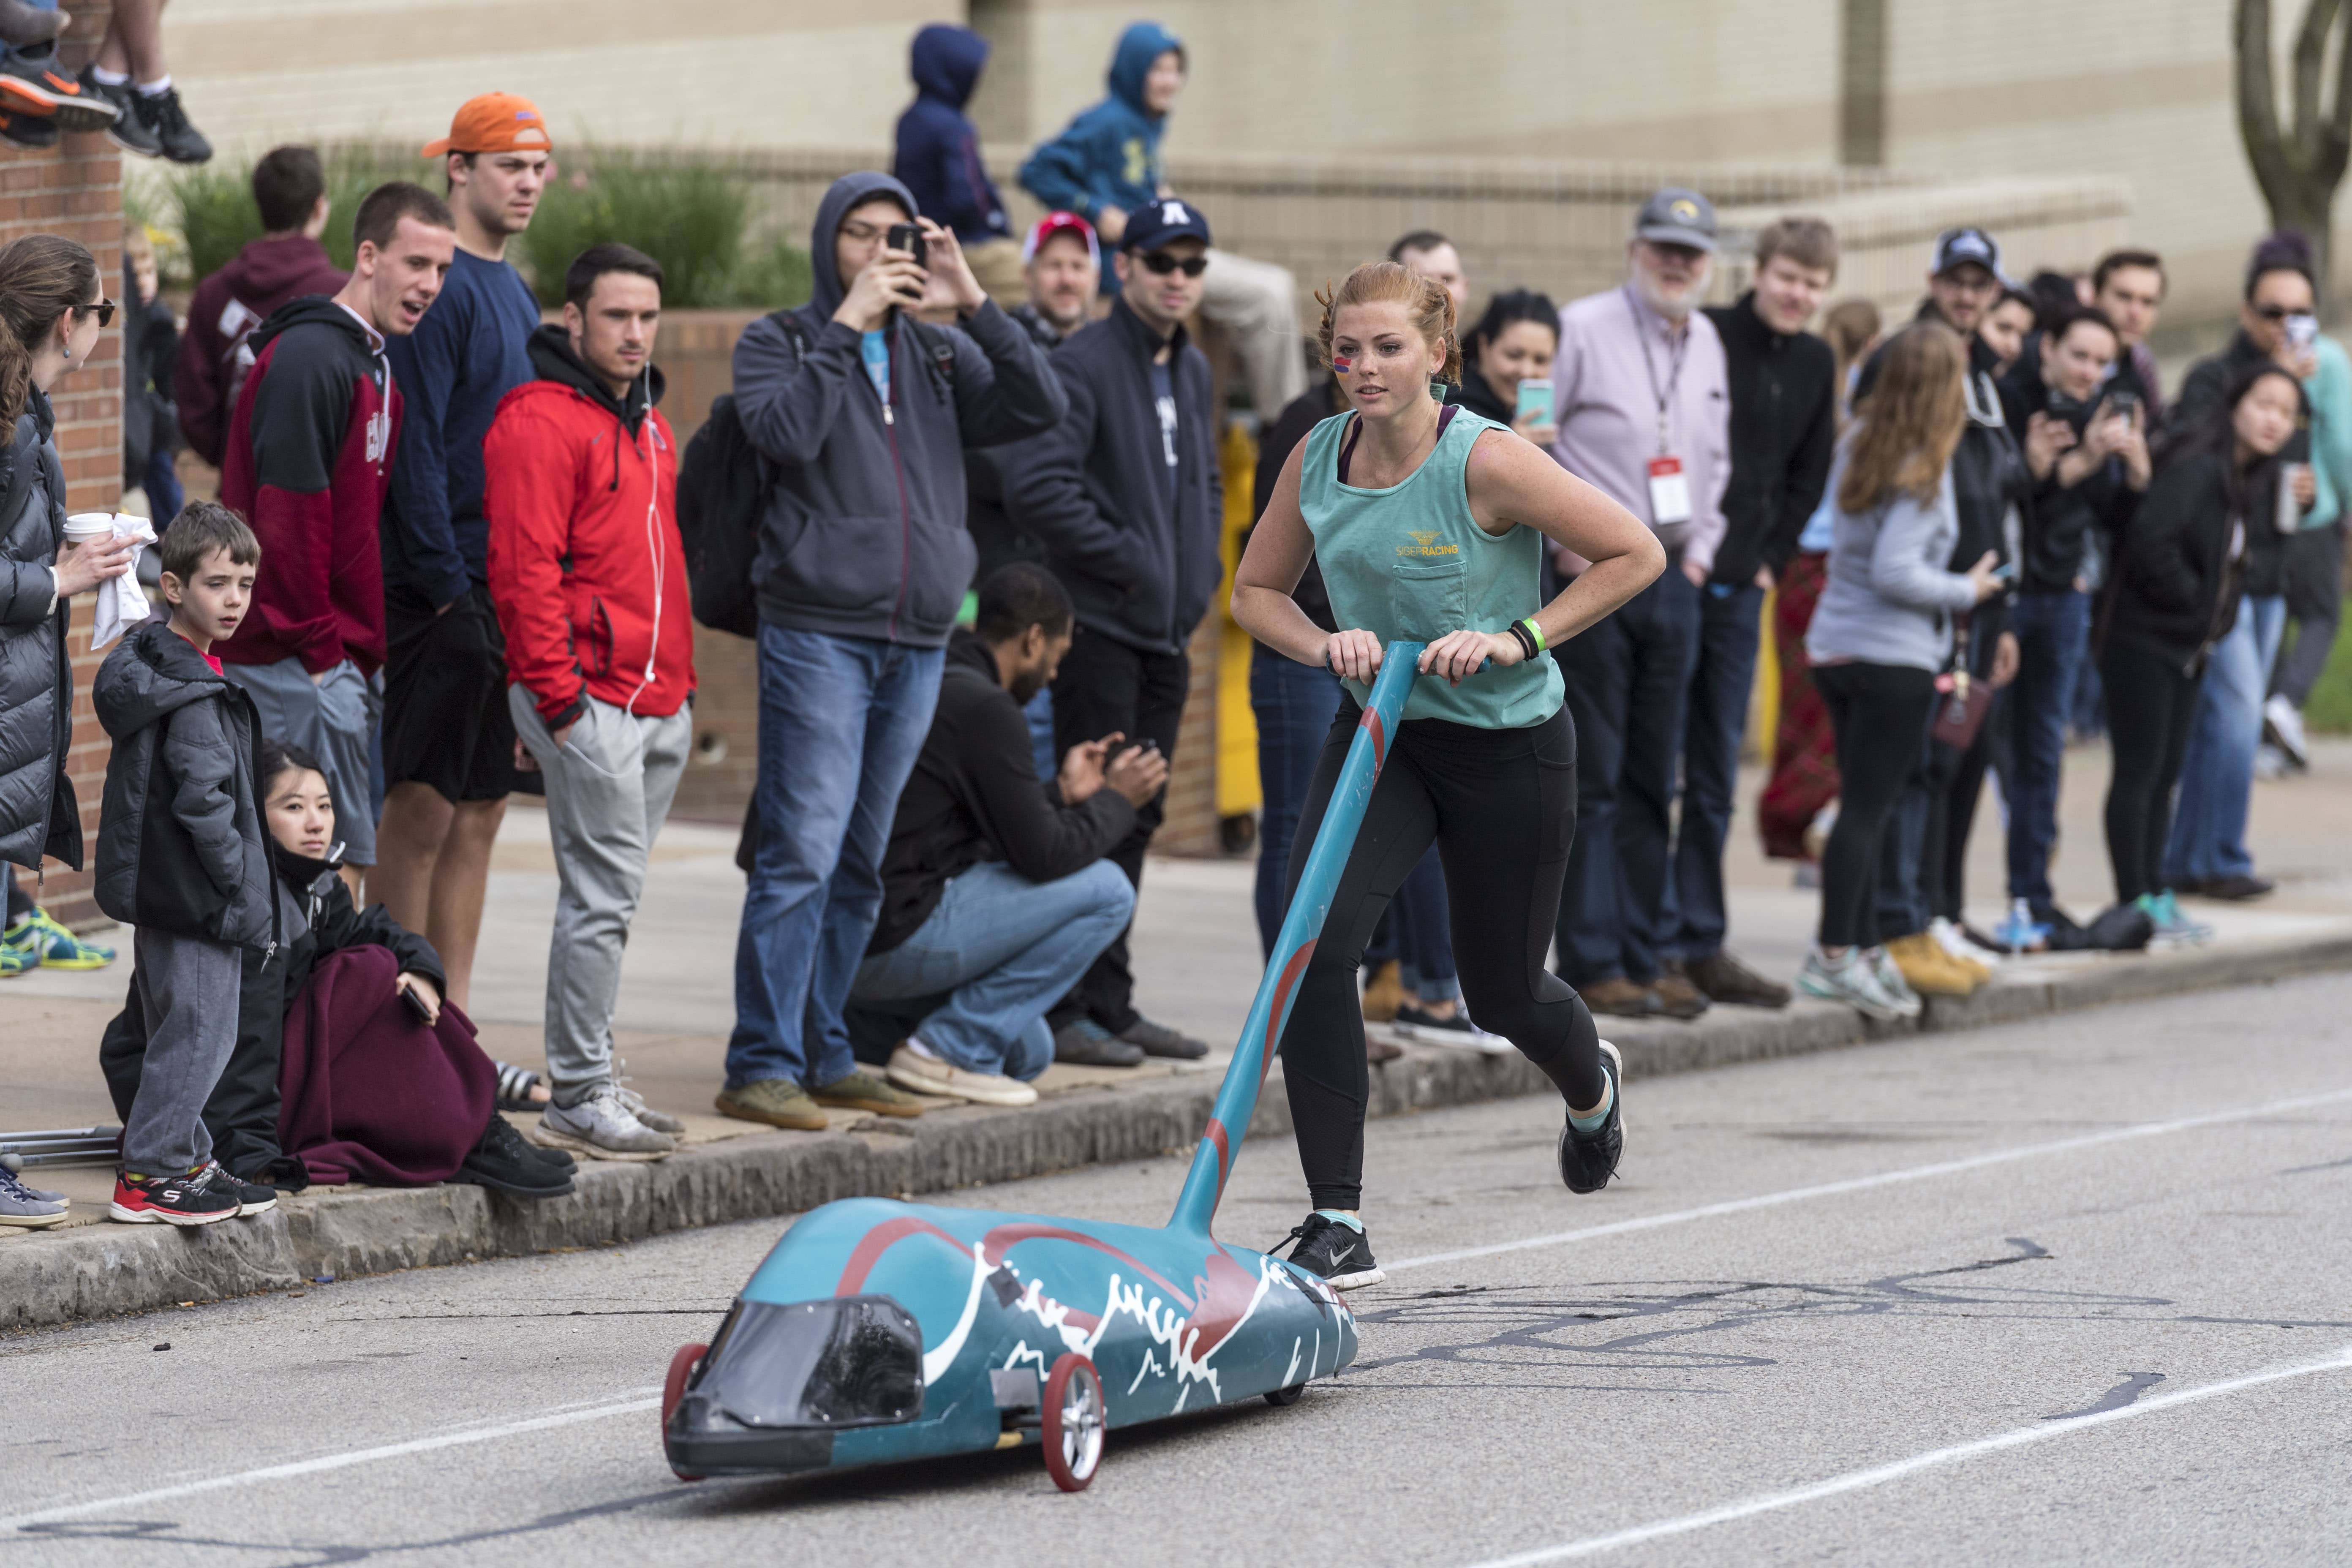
1428	523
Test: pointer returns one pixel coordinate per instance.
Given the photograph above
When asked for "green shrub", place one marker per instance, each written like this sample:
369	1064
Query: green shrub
773	277
2330	708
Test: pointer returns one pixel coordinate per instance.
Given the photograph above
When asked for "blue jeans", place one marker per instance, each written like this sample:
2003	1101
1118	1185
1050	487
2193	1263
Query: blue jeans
2216	777
841	722
1696	916
2053	631
1040	714
1628	678
1294	704
1007	948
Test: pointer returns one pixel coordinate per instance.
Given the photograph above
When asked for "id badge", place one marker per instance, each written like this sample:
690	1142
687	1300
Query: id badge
1670	501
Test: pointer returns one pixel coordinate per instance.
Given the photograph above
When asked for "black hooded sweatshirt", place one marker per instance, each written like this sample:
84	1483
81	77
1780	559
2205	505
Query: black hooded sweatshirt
1783	433
974	795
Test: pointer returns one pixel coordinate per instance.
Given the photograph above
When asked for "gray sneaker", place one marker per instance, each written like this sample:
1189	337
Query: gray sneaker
1159	1040
1850	980
601	1127
1890	981
27	1208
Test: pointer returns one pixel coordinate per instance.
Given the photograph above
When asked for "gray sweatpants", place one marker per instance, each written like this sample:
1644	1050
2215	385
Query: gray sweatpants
608	790
187	992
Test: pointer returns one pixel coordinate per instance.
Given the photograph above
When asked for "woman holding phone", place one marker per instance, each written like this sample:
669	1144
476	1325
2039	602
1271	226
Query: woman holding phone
1507	361
1428	523
1880	635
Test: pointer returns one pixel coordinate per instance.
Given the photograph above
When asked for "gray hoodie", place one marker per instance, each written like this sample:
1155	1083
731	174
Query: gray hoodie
864	534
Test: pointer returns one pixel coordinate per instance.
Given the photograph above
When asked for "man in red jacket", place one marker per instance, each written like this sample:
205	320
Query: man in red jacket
588	576
289	189
308	460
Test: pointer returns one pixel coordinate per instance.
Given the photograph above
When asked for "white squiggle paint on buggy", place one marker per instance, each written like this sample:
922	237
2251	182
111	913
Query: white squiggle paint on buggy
936	1362
1151	1364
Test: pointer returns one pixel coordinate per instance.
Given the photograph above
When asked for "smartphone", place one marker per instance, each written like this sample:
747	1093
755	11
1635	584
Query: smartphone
2302	330
2058	405
2122	402
1535	397
907	236
2005	572
416	1005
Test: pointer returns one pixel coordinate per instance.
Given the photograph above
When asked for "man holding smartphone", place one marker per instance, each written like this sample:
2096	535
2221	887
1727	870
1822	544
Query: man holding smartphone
1128	496
864	415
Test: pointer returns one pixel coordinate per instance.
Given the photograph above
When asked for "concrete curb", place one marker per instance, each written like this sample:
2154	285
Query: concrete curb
103	1271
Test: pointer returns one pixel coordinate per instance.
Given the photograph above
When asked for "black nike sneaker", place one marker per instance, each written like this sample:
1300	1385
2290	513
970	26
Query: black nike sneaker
1587	1159
252	1197
35	133
129	133
167	123
1339	1255
32	82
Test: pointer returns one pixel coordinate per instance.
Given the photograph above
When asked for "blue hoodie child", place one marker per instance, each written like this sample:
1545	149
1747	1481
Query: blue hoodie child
939	151
1109	155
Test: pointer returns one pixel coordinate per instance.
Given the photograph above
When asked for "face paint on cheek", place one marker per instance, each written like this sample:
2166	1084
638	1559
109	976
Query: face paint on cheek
1341	365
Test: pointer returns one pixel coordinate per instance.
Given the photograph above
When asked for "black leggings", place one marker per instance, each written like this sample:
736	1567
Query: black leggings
2151	708
1500	805
1880	712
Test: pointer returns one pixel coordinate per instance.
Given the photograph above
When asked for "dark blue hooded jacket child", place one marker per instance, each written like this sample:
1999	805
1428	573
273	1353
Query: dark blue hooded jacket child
1109	155
864	534
939	151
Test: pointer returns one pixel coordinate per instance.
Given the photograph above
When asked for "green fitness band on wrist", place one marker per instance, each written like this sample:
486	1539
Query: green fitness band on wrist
1534	631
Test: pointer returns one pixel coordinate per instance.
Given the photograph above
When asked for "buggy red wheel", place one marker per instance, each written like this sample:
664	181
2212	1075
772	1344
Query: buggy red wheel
1074	1421
681	1367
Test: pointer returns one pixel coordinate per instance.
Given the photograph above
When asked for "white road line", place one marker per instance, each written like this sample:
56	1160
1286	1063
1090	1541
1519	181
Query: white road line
1883	1179
628	1404
1935	1458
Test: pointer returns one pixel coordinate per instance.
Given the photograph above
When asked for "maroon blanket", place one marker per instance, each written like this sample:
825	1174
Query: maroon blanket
370	1093
1804	753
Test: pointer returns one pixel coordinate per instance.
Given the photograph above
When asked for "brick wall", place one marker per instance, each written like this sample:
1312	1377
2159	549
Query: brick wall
76	191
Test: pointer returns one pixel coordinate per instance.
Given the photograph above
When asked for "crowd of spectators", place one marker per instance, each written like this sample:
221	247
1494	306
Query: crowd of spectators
981	493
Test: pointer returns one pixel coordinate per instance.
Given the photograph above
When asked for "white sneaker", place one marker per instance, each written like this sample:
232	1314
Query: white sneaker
1949	938
659	1121
601	1127
1849	980
1890	979
2286	725
911	1069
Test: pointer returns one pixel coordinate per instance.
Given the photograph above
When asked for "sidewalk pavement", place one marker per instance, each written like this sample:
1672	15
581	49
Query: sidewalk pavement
1198	963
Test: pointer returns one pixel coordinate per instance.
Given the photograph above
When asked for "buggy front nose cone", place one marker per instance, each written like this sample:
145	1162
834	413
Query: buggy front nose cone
780	1379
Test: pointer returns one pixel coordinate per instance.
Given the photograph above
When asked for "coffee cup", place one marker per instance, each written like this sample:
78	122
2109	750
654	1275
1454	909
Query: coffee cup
84	526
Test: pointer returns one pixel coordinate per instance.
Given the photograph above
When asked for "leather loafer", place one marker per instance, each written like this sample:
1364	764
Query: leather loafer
1725	979
1677	997
1622	998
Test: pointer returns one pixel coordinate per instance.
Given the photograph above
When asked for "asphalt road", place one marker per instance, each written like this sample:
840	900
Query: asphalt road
2076	1291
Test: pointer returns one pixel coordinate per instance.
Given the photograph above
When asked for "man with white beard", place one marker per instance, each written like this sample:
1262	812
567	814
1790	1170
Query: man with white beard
1641	397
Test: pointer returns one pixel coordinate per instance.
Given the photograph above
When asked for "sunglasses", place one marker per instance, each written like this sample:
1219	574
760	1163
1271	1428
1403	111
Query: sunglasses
2276	312
105	310
1163	264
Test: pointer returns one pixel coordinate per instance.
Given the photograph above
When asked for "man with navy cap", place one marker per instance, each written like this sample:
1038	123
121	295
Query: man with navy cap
1641	397
1126	495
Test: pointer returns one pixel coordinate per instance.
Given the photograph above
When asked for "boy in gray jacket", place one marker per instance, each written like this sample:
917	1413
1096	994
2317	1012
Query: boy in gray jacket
181	856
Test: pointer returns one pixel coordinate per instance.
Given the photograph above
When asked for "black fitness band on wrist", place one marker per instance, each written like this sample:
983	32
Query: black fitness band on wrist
1527	642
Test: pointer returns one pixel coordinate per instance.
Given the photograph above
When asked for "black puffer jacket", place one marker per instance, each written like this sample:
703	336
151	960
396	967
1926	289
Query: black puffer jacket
38	811
180	843
2180	568
316	919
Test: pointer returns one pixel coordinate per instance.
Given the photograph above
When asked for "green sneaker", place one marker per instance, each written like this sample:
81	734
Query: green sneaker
13	963
778	1101
52	946
863	1090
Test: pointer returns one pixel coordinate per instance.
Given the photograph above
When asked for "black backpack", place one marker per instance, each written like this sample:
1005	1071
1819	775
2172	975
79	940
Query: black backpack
723	486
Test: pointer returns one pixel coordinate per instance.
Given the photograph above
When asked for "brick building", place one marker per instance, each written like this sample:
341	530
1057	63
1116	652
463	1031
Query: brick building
76	191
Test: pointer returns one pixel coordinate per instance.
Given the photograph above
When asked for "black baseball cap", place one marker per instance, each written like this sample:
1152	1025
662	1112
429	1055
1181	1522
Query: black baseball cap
1960	246
1677	217
1155	223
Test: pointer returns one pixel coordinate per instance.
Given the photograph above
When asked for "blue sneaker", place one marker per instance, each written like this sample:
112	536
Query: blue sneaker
2020	932
49	945
2173	928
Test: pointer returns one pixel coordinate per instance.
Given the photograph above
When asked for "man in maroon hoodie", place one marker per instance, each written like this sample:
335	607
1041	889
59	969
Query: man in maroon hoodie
286	263
308	460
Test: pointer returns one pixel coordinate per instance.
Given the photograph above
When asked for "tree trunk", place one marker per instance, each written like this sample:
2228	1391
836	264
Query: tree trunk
2297	161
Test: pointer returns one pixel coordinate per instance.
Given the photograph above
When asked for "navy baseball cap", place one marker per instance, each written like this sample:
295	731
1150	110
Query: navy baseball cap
1960	246
1677	217
1155	223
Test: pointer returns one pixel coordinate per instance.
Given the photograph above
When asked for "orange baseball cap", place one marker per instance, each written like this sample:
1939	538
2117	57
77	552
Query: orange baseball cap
494	122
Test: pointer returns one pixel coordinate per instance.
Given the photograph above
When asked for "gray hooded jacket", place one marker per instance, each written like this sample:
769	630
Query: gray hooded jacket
864	534
179	841
38	812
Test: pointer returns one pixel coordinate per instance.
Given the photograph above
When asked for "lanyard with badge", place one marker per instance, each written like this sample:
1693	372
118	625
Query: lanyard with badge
1670	500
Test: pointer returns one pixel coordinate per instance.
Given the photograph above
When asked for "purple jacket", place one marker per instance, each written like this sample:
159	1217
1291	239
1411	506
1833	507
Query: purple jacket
1606	406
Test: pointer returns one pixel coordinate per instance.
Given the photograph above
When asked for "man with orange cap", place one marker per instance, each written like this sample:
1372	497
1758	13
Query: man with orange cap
448	740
